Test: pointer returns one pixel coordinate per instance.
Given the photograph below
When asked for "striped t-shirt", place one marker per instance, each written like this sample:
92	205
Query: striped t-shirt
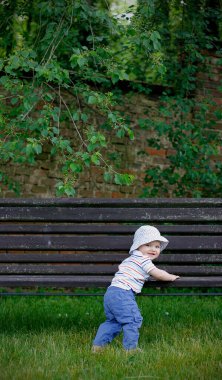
133	272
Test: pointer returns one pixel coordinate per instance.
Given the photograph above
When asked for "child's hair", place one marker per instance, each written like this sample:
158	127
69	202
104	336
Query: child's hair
146	234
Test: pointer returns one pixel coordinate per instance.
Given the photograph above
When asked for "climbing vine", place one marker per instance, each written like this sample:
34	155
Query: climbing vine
60	62
186	124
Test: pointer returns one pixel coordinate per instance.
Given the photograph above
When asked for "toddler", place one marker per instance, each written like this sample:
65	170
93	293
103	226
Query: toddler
121	310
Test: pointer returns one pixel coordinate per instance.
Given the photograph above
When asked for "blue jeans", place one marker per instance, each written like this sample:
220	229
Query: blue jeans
122	313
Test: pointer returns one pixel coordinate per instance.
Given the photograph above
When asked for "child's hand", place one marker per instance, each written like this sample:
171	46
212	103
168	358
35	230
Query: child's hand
174	277
162	275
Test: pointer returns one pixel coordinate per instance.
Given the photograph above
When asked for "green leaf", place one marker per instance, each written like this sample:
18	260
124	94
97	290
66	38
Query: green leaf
27	104
91	147
76	168
130	133
112	117
69	149
123	179
53	151
92	99
86	158
1	64
55	130
75	116
120	133
84	117
14	101
95	158
55	114
108	177
29	149
70	191
123	75
37	148
114	77
65	188
93	139
81	61
54	140
48	97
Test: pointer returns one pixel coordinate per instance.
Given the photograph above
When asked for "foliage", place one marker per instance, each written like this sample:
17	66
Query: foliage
187	124
55	51
192	140
60	62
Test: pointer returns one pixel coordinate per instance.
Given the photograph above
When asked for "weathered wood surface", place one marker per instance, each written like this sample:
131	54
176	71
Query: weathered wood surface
108	214
101	281
96	257
106	243
107	269
80	242
97	202
70	228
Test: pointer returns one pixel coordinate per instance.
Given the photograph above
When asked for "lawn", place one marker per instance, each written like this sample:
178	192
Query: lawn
50	338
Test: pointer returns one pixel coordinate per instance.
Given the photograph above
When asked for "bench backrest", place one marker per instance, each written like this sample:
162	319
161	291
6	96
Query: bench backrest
80	242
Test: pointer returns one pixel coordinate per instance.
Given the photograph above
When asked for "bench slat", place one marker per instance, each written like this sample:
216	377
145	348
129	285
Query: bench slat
66	269
101	202
45	228
90	269
101	281
52	242
164	258
107	214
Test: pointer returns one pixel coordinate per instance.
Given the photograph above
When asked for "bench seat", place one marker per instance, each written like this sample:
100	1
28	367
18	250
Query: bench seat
79	243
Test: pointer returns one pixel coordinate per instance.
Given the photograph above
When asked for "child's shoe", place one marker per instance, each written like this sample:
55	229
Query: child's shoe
97	349
135	350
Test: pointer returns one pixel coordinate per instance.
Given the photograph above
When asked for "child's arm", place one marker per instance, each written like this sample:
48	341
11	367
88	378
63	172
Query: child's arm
162	275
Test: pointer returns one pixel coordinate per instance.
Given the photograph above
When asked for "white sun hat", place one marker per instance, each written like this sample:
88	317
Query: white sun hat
146	234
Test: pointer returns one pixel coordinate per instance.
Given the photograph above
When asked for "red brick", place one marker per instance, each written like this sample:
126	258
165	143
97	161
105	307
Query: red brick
116	194
101	194
156	152
218	100
170	152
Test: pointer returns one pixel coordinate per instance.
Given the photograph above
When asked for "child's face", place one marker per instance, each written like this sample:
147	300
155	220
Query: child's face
150	250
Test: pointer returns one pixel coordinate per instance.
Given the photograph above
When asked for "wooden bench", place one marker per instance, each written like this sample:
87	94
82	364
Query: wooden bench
78	243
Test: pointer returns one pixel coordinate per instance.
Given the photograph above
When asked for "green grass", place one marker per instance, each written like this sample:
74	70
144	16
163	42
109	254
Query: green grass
50	338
